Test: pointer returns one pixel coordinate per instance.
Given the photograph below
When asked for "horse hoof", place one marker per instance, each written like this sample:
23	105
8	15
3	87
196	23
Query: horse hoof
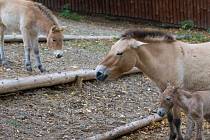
58	53
172	137
41	69
186	138
180	138
29	68
6	64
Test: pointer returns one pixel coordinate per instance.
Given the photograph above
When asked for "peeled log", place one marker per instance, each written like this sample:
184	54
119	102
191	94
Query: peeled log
45	80
19	38
128	128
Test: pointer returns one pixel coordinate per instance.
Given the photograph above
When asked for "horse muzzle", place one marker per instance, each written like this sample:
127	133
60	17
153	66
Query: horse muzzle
161	112
101	73
58	53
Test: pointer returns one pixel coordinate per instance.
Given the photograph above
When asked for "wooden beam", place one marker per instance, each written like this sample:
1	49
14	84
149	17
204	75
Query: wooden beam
45	80
126	129
18	38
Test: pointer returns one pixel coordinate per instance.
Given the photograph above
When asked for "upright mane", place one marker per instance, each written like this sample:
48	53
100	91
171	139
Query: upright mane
148	36
46	12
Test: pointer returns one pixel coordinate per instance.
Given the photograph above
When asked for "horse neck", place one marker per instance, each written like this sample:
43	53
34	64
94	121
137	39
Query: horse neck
45	24
182	99
154	60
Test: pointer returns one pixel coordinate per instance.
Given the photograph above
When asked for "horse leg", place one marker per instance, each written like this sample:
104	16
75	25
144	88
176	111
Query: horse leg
36	53
2	54
27	48
172	135
190	126
177	121
199	125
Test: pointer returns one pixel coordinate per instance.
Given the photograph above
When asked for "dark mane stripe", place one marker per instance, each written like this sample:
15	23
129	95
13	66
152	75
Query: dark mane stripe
46	12
148	35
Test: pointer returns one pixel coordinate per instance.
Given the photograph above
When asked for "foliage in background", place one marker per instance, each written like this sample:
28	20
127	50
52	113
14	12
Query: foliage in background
66	13
193	36
187	24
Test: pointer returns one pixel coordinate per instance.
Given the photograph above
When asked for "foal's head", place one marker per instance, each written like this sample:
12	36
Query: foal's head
55	40
166	100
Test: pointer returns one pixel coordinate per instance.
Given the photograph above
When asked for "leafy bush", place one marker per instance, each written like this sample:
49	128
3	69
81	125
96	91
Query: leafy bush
66	13
187	24
208	30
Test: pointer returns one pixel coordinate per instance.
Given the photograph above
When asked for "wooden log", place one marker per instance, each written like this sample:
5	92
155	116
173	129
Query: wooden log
45	80
18	38
128	128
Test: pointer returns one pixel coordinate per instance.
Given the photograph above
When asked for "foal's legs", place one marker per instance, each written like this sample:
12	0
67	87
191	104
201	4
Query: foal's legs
190	126
177	121
174	124
171	125
2	55
199	127
30	39
27	48
36	53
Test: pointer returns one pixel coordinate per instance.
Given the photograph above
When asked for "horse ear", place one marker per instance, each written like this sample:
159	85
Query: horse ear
168	83
63	28
53	28
137	44
57	29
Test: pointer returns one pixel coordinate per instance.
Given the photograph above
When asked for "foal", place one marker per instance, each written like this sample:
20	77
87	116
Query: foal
31	18
195	105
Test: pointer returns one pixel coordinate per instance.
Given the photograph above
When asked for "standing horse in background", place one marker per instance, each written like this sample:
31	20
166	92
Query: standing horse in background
31	18
163	59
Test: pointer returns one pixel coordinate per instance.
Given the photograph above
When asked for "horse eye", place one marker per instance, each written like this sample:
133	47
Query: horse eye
119	53
53	40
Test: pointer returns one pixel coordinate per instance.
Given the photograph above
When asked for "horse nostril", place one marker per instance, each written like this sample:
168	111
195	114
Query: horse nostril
59	56
99	74
58	53
161	114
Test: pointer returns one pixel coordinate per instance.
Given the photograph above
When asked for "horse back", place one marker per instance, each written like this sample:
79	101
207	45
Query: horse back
196	66
15	13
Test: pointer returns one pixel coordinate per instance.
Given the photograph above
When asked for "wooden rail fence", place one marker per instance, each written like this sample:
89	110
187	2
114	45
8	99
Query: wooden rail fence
165	11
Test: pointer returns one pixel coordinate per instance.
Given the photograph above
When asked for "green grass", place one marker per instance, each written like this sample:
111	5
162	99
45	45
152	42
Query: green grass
194	36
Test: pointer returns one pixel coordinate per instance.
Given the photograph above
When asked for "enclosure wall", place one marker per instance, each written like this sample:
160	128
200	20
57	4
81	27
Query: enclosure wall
165	11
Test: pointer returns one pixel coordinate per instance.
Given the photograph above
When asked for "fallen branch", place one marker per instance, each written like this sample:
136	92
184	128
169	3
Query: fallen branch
13	85
19	38
122	130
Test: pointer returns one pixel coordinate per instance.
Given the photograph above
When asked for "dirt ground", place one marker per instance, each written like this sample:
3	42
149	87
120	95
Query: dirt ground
68	112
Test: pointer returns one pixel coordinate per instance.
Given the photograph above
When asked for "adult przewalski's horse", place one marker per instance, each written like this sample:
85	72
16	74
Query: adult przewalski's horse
163	59
31	18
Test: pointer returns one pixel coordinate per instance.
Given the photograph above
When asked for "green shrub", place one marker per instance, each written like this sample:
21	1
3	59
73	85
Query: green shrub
66	13
208	30
187	24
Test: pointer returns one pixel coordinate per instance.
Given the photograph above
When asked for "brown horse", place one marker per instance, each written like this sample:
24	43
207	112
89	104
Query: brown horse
31	18
163	59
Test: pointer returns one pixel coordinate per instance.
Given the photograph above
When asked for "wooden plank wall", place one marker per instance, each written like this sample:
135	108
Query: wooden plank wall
165	11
